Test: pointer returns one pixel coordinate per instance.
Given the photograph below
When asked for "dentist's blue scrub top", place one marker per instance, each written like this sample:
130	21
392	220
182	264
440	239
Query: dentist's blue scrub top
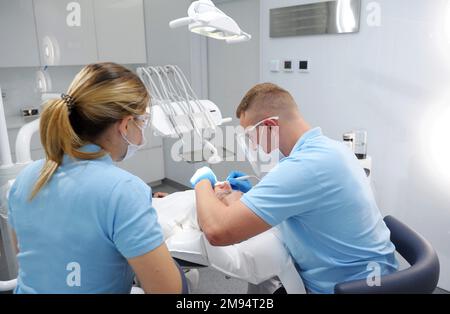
321	200
76	234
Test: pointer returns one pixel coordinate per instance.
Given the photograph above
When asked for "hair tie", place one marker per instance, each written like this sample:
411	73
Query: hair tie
70	102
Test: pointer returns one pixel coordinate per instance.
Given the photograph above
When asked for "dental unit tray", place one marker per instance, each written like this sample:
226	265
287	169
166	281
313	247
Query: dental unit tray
175	108
163	124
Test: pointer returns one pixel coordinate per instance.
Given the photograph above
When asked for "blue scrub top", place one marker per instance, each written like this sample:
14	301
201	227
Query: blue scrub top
321	199
76	235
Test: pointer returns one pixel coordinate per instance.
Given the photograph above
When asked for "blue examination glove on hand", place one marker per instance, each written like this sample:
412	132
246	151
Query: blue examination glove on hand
240	185
201	174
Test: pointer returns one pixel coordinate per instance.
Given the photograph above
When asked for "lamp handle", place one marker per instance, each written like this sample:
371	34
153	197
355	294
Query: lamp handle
180	22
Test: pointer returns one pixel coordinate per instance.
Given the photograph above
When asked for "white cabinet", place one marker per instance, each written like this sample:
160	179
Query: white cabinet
66	31
18	43
147	164
87	31
152	140
120	30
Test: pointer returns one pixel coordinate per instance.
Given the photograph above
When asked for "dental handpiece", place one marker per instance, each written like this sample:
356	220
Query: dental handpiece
242	178
246	178
238	179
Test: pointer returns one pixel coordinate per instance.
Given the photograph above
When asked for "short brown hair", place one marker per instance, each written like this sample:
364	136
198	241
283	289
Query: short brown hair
264	94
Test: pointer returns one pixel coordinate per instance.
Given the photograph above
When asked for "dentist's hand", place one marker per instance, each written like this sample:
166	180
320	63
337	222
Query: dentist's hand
201	174
241	185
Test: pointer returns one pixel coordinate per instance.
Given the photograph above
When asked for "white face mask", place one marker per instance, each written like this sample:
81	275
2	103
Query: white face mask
260	161
133	148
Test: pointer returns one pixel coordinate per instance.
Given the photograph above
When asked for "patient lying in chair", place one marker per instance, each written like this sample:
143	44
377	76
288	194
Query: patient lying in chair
255	260
177	212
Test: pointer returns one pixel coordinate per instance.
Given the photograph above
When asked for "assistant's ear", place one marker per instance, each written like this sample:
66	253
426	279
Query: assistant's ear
123	124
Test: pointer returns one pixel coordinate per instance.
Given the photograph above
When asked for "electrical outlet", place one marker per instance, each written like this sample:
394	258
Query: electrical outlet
29	112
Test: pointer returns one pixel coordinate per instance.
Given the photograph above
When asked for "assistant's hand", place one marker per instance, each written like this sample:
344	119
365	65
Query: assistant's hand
240	185
202	174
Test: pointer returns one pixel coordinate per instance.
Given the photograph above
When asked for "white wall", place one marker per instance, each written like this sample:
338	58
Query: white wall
392	80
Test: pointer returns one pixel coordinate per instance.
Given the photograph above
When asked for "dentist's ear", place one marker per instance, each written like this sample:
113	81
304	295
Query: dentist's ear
271	122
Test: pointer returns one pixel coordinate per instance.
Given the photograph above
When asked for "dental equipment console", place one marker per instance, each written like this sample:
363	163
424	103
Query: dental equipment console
176	110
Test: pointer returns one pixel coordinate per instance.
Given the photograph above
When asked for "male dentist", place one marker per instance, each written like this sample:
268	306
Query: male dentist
318	195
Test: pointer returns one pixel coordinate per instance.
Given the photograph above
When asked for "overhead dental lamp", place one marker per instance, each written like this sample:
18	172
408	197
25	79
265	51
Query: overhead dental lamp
206	19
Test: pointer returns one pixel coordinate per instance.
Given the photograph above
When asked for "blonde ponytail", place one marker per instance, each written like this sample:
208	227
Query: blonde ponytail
100	95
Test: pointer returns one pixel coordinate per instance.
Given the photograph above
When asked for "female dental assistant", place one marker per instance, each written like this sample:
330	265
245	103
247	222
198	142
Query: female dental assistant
81	224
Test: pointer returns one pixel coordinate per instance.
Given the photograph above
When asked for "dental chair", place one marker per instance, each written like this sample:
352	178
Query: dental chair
423	275
6	286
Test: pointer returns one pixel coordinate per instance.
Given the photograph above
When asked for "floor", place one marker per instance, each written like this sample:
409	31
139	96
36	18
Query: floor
214	282
441	291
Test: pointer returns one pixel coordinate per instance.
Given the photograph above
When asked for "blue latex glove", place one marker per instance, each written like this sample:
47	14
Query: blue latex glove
241	185
203	173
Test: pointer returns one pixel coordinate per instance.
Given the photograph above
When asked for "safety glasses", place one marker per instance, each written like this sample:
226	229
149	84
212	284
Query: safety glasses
249	138
143	120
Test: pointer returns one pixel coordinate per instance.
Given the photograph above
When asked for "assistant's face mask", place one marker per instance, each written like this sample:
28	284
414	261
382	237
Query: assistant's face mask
261	161
133	148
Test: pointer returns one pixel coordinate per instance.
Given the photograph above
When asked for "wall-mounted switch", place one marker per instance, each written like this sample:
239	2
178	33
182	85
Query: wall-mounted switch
275	66
303	66
288	65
